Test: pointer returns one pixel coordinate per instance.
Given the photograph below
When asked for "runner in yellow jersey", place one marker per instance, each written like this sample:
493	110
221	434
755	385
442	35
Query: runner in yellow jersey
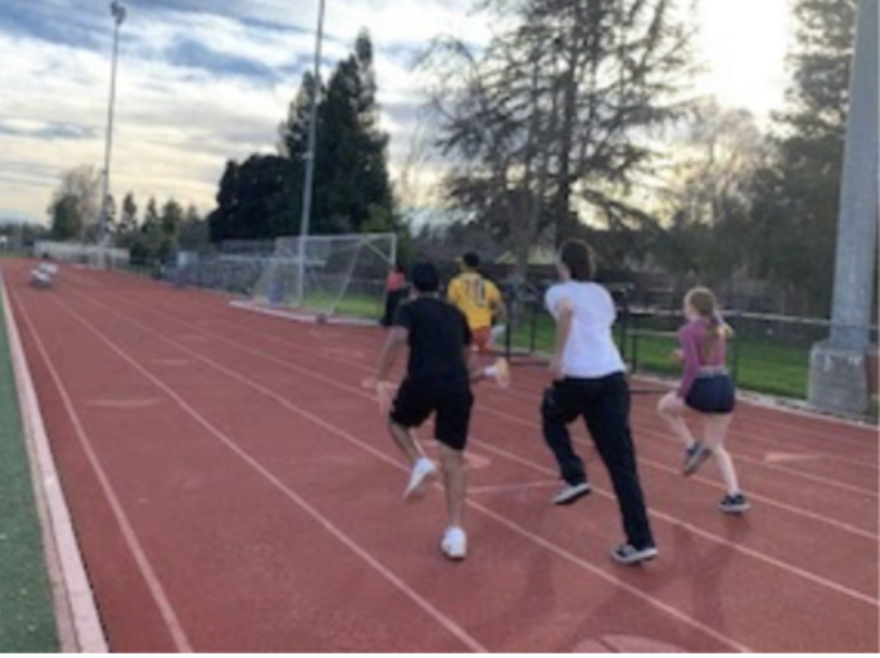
479	300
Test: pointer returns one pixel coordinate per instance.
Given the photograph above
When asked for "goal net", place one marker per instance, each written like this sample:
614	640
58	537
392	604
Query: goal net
338	276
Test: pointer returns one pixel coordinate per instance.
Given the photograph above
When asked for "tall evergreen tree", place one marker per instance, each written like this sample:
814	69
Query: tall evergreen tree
128	221
66	221
252	202
262	197
796	201
351	173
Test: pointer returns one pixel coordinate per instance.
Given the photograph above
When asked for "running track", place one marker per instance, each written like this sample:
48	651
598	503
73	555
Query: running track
233	489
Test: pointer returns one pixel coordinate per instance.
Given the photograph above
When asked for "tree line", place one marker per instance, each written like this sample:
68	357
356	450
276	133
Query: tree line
578	119
155	234
262	197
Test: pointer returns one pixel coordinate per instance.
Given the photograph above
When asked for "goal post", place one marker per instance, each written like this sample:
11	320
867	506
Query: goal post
338	276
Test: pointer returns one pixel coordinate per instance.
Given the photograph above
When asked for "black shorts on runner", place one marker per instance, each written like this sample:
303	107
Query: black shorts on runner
715	394
415	402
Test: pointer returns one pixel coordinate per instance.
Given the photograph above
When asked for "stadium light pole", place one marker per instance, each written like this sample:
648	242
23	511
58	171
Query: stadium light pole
310	158
117	11
839	367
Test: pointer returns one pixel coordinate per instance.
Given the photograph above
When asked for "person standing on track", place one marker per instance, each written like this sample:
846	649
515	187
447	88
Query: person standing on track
707	388
479	299
395	291
589	382
438	380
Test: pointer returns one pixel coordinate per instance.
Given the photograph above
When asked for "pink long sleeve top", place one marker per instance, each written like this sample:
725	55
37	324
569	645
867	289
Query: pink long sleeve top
692	336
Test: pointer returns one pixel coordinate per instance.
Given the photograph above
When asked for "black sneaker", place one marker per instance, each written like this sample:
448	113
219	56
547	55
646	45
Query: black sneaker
694	458
572	493
630	555
736	504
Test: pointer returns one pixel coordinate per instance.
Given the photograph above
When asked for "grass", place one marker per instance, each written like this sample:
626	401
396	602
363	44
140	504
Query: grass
761	365
350	305
27	623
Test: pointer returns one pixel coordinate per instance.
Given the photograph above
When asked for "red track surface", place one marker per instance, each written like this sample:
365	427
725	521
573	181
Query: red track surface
233	489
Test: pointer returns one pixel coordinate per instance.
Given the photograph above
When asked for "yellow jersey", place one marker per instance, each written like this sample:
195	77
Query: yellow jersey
476	297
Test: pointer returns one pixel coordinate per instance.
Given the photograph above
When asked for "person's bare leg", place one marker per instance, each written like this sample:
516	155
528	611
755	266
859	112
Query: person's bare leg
406	441
671	408
423	469
456	484
716	430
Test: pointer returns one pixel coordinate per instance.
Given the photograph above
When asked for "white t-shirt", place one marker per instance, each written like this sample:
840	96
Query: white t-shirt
590	352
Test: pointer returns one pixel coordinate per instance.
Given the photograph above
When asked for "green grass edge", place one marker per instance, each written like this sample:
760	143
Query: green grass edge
27	618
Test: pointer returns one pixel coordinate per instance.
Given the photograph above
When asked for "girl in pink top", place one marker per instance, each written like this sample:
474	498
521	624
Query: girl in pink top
706	388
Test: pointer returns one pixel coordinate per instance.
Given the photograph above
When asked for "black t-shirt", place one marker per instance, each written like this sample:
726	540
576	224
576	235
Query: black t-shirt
438	334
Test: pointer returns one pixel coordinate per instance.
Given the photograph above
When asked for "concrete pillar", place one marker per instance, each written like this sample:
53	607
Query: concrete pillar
839	365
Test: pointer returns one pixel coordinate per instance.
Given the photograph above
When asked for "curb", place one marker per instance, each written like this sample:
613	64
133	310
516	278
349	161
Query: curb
76	613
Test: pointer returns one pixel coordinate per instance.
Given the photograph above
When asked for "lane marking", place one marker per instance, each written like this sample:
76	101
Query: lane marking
452	627
514	488
77	618
626	644
817	579
123	403
516	528
154	584
791	509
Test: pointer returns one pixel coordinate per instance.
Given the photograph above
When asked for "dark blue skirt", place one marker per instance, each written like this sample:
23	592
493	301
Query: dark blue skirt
715	394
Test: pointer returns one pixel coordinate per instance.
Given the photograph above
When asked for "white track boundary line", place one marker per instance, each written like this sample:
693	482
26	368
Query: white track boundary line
669	518
154	585
767	500
570	557
77	618
444	621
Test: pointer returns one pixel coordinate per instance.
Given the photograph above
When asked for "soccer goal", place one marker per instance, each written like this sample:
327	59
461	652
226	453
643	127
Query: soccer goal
338	278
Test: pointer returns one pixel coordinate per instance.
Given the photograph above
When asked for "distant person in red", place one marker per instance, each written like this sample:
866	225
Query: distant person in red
395	290
706	388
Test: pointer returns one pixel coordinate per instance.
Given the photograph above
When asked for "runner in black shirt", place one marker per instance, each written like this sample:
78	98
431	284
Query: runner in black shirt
439	375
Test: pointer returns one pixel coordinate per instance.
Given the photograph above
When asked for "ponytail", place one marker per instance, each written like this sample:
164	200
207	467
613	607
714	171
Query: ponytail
703	301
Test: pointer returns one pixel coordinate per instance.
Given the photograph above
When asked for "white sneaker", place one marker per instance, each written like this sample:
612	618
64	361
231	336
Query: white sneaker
423	474
454	544
571	493
630	555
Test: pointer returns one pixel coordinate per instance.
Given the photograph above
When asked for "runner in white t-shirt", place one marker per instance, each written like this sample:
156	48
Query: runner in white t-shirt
589	381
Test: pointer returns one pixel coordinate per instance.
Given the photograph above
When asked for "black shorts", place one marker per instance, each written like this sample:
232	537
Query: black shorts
712	395
416	401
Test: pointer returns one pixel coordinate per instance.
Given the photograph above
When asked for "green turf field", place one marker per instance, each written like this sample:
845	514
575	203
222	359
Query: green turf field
27	621
762	365
350	305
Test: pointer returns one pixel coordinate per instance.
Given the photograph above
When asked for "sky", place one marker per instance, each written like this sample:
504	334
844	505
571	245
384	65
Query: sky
204	81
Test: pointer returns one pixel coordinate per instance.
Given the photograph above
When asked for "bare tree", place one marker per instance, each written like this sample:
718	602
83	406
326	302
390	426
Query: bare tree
81	186
715	158
553	118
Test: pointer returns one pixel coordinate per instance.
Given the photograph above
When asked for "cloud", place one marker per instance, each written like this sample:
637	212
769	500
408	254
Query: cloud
44	130
200	82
